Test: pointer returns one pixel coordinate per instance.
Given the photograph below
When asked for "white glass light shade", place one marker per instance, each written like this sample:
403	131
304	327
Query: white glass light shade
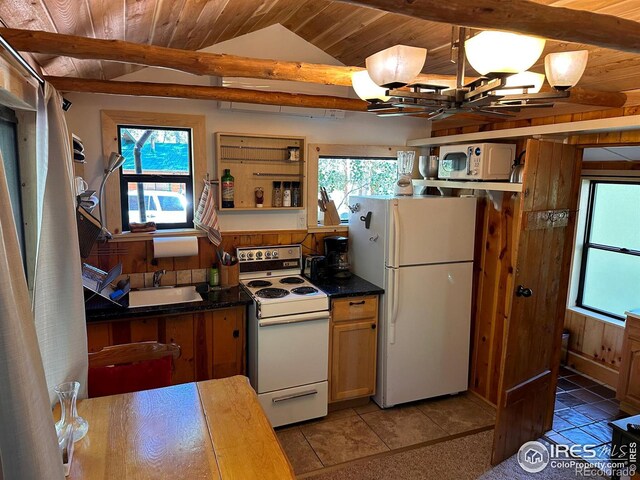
505	52
366	88
564	69
522	79
396	66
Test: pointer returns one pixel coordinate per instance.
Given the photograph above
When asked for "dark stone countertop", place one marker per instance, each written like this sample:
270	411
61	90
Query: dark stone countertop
215	299
350	287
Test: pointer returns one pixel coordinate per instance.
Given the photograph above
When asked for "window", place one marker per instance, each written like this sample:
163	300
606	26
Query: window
157	170
610	267
164	182
344	177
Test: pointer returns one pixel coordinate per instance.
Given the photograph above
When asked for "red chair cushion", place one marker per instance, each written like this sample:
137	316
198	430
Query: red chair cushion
116	379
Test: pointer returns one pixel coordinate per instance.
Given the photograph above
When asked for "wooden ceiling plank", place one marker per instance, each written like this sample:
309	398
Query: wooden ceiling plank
350	26
187	21
166	21
326	21
264	9
277	14
307	11
208	27
522	16
198	92
230	20
108	19
139	15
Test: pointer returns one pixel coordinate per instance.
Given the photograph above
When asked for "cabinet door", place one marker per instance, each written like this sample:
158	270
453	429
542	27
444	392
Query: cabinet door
228	342
631	372
353	359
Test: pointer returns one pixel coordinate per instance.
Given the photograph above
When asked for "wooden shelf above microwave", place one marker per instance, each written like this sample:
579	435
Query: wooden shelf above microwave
492	186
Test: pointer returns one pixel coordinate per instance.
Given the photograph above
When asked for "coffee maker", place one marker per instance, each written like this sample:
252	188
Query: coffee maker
336	250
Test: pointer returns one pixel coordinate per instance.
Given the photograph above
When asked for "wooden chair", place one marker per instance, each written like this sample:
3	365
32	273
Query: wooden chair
131	367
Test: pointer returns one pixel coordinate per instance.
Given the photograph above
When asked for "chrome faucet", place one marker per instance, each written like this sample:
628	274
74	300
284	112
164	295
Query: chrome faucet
157	275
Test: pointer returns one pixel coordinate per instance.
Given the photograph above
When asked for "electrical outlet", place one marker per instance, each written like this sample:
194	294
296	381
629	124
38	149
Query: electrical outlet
302	220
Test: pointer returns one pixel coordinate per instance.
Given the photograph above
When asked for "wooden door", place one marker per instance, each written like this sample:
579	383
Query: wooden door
532	336
353	359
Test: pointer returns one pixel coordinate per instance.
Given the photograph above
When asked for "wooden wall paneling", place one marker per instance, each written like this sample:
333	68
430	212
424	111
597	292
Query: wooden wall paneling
593	334
98	336
575	323
135	260
206	253
227	337
187	263
144	329
612	339
179	330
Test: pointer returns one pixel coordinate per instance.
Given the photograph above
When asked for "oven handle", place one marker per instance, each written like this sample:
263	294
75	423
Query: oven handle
294	395
301	317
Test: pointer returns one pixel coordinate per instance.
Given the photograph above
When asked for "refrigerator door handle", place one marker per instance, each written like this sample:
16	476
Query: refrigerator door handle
394	250
393	296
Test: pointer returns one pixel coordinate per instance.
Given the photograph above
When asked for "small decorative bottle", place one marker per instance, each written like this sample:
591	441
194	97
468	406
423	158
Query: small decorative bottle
68	395
295	194
286	194
227	189
277	194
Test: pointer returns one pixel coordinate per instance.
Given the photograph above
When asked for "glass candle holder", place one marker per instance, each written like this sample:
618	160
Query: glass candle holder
68	395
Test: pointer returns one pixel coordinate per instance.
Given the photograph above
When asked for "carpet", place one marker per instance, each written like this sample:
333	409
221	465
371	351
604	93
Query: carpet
460	459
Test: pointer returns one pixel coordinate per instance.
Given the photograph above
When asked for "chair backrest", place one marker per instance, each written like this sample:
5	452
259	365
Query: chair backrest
131	367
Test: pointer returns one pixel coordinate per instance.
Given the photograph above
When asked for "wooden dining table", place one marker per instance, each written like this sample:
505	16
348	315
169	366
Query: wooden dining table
215	429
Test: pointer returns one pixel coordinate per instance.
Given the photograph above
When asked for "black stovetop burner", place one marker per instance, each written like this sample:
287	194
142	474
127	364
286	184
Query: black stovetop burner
271	293
259	283
304	290
291	280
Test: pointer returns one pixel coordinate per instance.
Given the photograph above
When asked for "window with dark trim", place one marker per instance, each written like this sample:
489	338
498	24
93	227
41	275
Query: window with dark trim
610	266
156	179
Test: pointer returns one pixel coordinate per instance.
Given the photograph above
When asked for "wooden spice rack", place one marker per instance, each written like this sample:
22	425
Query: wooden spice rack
258	161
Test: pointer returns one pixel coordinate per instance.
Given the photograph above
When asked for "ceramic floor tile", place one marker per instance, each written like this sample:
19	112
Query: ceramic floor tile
302	457
400	427
581	380
556	437
594	413
601	430
487	406
560	424
566	385
369	407
580	437
586	395
332	416
565	372
457	414
342	440
559	405
603	391
575	418
569	400
608	406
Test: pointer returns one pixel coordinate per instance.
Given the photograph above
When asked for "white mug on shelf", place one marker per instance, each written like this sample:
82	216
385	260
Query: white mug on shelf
80	185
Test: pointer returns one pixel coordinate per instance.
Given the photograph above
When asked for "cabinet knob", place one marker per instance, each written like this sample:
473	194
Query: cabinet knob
236	333
373	326
522	291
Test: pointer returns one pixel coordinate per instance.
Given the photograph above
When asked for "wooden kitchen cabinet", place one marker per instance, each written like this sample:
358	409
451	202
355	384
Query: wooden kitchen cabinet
212	343
628	391
353	348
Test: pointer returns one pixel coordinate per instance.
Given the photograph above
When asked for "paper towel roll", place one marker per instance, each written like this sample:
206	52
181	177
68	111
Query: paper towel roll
175	247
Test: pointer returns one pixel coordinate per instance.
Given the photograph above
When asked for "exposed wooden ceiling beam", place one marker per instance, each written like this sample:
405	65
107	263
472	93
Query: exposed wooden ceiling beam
197	63
522	16
199	92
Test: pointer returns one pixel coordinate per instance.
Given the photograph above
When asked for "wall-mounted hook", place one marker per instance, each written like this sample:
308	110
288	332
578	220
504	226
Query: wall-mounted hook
367	220
374	238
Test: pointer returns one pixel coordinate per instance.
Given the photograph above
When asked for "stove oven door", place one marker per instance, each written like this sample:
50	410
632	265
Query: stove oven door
293	350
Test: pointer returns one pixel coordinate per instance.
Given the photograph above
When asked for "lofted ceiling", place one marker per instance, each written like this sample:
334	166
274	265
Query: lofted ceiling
347	32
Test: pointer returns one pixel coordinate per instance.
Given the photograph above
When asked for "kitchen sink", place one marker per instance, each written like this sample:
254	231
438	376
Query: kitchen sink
163	296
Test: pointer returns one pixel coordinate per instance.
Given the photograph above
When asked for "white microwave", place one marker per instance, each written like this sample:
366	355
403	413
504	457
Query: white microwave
478	161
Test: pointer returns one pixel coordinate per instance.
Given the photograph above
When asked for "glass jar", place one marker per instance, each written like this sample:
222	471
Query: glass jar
295	194
286	194
277	195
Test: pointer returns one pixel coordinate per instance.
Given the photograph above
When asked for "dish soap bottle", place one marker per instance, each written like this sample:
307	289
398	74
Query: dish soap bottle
227	189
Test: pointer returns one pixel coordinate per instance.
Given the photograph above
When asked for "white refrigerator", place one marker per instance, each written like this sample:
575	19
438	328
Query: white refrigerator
420	250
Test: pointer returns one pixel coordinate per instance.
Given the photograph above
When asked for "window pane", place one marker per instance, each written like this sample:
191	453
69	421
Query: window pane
611	282
616	215
161	151
343	177
164	203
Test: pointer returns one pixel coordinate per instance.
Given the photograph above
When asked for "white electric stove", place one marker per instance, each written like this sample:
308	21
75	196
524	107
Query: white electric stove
287	335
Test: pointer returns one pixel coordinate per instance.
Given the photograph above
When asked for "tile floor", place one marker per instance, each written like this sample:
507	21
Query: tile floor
583	411
353	433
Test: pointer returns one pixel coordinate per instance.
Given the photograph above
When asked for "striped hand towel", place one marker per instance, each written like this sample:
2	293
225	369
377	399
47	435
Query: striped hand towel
206	217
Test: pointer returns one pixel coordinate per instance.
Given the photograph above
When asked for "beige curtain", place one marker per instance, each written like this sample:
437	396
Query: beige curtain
58	296
28	446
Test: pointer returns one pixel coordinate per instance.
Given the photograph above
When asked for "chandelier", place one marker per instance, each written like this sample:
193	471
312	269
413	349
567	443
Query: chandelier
505	85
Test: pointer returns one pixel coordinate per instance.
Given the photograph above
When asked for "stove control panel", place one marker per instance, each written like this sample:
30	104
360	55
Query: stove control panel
277	256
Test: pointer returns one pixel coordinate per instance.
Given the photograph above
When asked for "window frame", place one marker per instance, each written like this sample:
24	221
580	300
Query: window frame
110	119
315	151
126	178
587	245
